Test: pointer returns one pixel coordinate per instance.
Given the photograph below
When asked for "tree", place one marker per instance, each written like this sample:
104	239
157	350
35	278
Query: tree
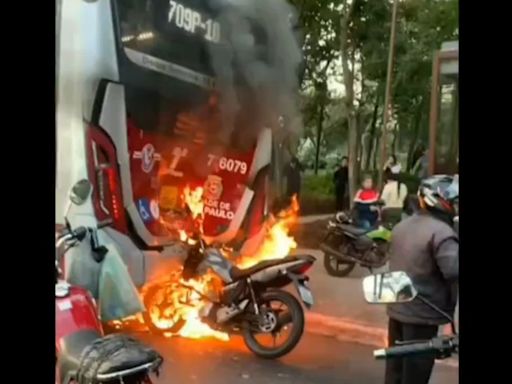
362	35
317	22
350	38
424	26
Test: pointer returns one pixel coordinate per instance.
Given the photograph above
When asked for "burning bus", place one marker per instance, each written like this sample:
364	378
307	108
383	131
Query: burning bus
143	102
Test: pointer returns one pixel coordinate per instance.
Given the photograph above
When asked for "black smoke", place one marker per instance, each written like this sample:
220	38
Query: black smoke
256	68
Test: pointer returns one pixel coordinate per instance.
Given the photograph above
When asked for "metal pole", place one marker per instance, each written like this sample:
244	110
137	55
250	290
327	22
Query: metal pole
387	99
434	113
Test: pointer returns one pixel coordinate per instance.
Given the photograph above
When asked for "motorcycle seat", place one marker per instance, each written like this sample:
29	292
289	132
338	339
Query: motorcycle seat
238	274
85	354
71	348
356	231
117	356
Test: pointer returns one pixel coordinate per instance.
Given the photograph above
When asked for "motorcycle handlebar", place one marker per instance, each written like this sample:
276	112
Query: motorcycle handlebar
79	233
436	345
104	223
402	350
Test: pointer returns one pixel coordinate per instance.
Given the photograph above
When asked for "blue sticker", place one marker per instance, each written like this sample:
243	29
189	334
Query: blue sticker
144	207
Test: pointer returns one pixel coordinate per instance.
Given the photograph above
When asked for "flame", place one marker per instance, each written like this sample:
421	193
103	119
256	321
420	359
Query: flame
277	243
194	328
187	297
185	302
183	235
194	200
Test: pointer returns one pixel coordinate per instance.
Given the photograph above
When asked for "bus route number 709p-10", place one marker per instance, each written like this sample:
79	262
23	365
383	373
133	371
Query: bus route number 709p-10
194	22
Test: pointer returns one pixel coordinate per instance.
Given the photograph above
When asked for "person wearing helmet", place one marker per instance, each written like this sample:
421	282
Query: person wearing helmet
426	247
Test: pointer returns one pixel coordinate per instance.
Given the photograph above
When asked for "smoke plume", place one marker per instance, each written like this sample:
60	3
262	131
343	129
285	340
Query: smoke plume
256	66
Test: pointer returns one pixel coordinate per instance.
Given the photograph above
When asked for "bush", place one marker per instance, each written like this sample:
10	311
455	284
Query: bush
318	185
317	195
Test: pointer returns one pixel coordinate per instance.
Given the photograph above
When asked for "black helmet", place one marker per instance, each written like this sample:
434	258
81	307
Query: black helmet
440	193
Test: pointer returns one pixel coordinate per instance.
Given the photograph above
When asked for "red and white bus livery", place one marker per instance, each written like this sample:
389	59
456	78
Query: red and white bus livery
137	116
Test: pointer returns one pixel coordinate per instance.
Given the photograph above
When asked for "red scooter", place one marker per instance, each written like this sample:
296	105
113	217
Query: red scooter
83	354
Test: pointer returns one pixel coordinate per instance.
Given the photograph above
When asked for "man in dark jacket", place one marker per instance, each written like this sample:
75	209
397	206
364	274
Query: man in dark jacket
293	177
426	247
340	180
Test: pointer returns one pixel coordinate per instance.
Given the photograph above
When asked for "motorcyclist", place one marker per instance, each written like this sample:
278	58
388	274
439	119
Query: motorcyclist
426	247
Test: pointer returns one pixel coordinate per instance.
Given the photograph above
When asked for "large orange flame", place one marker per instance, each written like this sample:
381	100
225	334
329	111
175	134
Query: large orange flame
277	243
187	303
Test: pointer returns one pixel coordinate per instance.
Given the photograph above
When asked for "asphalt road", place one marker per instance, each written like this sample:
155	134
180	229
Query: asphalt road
316	359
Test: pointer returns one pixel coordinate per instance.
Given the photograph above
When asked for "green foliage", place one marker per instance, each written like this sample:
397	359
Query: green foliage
318	185
318	21
317	195
422	26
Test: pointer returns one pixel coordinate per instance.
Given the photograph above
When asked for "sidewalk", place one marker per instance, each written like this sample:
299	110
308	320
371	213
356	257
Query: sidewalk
343	297
312	218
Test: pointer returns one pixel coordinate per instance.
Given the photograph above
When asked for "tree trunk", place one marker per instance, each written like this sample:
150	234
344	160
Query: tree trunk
348	81
416	134
373	130
359	148
376	152
394	142
319	128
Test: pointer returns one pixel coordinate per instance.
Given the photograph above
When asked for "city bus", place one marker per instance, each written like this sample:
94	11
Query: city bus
137	114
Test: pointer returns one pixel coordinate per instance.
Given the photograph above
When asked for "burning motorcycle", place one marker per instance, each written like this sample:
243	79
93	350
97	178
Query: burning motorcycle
346	245
397	287
83	354
247	301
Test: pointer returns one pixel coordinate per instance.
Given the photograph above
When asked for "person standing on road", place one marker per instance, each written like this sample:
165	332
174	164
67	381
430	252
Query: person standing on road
393	195
426	247
293	177
340	180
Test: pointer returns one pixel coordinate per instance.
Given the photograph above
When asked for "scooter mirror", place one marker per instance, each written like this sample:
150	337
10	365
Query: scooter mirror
387	288
80	192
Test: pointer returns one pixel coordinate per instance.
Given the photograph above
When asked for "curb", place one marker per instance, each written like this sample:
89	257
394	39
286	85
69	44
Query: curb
350	331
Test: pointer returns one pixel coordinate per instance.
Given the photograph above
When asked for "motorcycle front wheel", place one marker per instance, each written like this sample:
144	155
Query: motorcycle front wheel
159	316
336	267
280	313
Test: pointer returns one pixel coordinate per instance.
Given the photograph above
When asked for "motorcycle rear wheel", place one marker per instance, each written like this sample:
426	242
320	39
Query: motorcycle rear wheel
295	315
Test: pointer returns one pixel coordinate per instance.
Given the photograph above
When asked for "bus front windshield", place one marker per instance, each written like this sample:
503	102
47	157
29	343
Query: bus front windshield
167	32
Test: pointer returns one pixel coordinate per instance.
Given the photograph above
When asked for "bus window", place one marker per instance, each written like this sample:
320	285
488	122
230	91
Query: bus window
152	111
151	40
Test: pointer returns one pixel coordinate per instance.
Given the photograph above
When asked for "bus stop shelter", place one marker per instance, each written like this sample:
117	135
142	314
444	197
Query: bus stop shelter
444	111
